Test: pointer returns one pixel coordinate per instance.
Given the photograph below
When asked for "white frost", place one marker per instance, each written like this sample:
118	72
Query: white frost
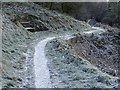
95	30
42	75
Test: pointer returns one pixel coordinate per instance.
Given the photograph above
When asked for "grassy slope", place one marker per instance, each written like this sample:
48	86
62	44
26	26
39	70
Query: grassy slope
69	71
16	46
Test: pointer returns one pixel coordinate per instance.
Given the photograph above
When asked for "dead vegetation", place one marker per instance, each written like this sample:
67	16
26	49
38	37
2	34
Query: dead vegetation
101	50
30	22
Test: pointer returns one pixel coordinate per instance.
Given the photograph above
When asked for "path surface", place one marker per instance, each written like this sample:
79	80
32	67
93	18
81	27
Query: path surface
94	30
42	75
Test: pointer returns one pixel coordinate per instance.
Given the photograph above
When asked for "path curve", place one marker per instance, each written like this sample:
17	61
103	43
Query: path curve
42	75
94	30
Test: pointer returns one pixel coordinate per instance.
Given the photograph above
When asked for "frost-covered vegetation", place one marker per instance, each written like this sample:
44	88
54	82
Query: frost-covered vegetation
24	26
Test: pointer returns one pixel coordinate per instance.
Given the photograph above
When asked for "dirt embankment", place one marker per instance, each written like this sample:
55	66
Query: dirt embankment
101	49
70	71
25	24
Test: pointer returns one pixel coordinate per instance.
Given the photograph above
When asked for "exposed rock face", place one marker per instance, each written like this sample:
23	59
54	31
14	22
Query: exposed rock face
30	22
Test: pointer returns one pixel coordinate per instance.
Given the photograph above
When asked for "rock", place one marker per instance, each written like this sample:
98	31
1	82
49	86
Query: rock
12	51
9	85
92	22
7	77
19	79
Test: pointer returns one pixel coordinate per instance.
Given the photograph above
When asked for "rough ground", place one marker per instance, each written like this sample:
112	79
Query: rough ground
18	42
70	71
100	48
24	26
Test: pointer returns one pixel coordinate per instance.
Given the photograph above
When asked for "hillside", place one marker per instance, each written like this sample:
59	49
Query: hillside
102	12
27	24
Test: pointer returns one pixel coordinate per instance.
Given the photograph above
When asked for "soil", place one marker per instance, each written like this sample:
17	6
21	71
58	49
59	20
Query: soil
101	49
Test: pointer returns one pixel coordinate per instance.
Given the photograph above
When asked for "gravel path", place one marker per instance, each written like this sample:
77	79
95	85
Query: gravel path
94	30
42	76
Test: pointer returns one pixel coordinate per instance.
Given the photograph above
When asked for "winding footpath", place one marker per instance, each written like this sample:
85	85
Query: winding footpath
95	30
42	75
